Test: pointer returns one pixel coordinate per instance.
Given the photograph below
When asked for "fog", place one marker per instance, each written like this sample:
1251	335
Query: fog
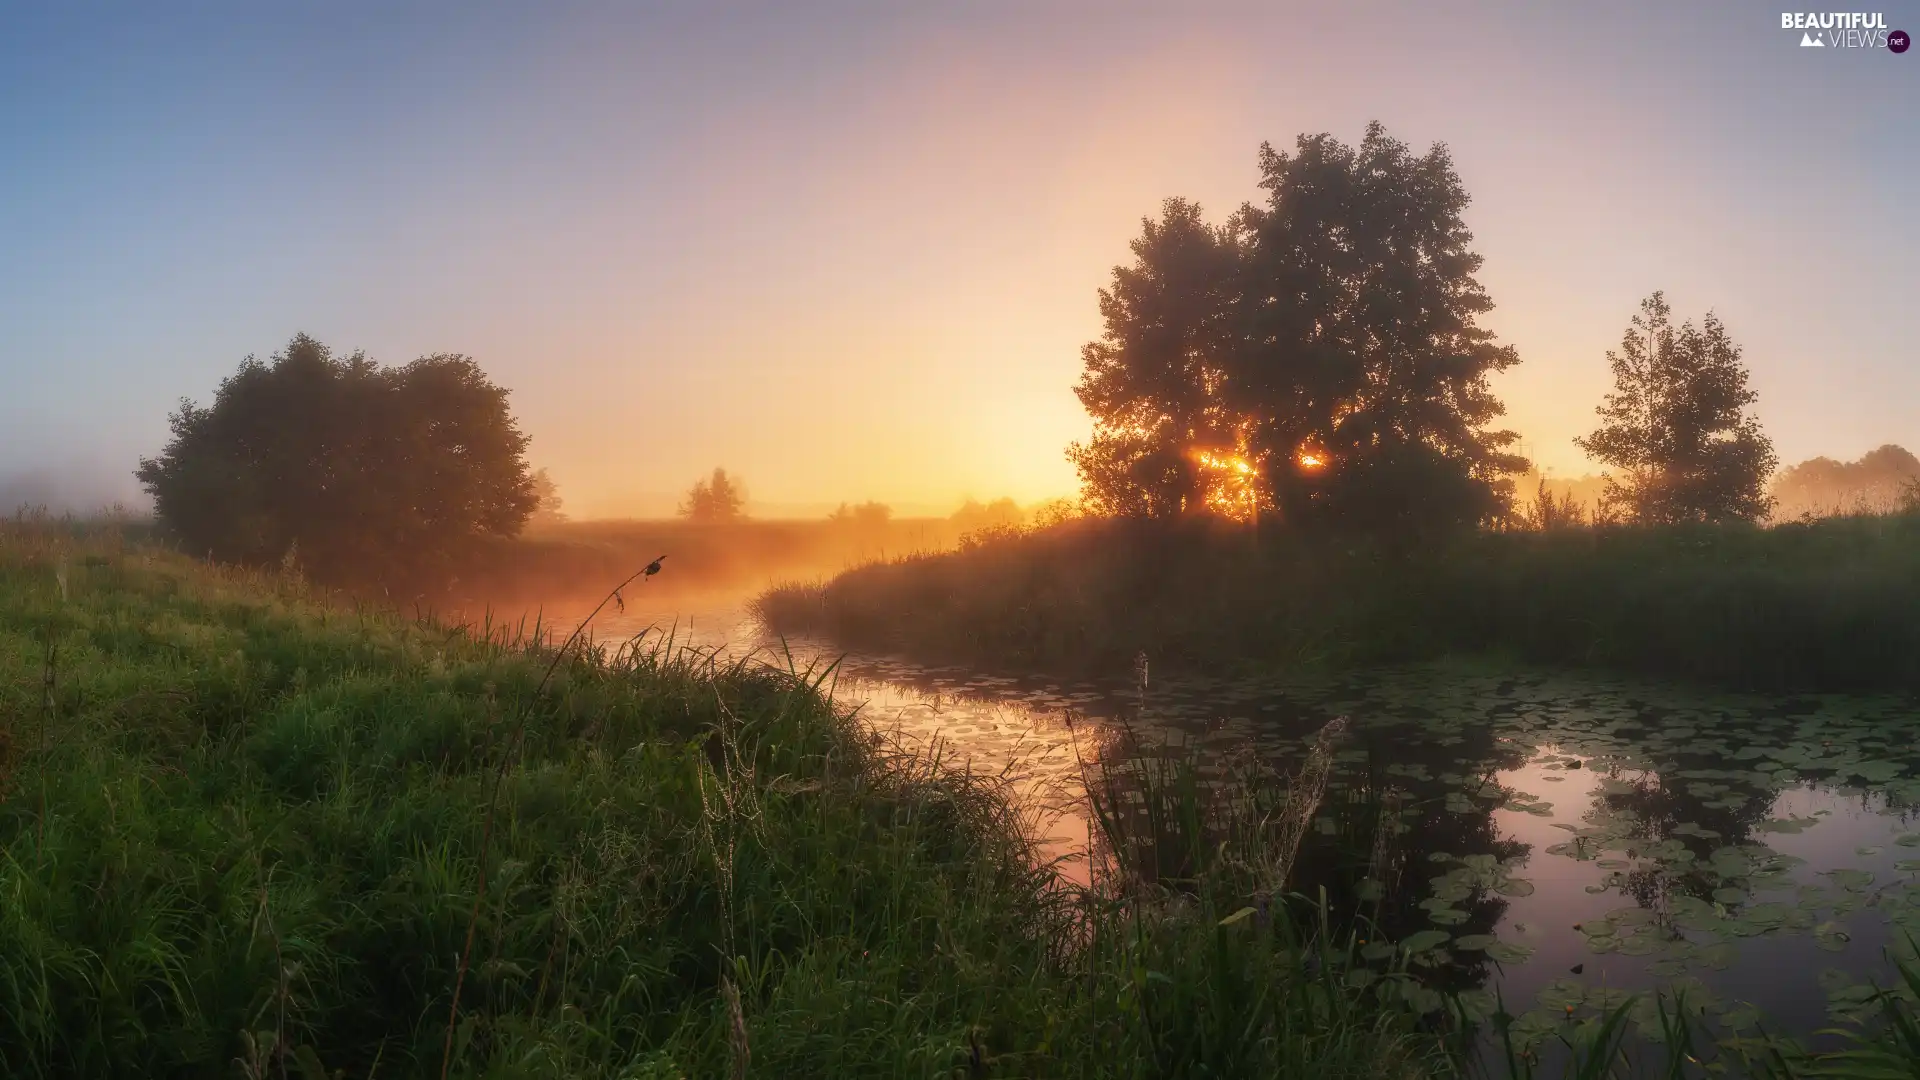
1876	483
74	488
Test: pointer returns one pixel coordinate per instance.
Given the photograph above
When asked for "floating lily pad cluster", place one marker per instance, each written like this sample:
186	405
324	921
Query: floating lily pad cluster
1676	805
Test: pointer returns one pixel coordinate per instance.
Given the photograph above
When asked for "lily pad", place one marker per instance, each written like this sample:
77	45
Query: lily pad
1506	952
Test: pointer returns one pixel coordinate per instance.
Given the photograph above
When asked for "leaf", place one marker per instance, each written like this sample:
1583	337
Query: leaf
1237	916
309	1064
1422	940
1514	887
1508	953
1831	936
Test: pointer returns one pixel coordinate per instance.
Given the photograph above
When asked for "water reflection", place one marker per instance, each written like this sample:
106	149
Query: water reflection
1567	837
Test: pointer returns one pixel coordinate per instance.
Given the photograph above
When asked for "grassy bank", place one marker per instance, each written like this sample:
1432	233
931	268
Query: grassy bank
1827	605
243	833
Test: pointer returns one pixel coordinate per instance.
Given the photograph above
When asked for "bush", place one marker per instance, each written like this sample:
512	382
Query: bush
354	472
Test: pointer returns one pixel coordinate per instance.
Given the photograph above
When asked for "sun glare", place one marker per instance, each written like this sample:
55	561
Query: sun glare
1233	484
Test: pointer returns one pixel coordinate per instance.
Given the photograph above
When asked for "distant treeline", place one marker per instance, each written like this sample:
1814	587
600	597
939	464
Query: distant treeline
1881	481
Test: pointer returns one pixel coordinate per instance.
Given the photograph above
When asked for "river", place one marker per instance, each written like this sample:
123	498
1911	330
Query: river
1555	838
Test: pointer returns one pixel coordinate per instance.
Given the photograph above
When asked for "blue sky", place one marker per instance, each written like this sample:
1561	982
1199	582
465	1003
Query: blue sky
851	250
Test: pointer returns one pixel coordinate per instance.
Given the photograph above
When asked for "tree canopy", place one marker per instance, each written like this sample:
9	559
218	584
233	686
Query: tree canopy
1676	424
1317	354
358	472
717	499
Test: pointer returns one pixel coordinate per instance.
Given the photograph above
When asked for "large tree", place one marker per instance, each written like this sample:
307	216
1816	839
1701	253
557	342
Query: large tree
1676	424
360	473
1319	354
1152	383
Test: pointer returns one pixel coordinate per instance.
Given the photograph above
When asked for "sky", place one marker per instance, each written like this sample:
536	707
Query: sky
851	251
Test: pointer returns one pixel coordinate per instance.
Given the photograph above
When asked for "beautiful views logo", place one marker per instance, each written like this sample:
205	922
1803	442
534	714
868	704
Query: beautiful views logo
1844	30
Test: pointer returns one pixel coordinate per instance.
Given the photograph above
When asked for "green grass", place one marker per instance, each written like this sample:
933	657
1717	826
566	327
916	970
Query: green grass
1821	606
243	832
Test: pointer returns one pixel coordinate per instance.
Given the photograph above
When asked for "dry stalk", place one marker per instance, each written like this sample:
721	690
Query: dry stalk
737	1029
1302	802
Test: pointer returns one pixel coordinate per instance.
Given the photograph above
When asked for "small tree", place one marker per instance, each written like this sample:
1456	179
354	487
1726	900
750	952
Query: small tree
361	473
546	510
1551	513
1676	425
718	499
869	516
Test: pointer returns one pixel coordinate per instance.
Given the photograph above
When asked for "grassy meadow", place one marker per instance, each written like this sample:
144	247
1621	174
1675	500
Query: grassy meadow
1823	605
246	832
243	832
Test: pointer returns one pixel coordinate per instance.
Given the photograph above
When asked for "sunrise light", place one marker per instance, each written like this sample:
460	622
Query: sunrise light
1233	489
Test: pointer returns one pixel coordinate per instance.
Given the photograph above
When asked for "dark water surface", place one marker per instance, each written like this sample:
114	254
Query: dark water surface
1556	838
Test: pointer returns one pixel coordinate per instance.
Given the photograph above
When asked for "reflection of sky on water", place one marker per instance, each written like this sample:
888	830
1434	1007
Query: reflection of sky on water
1777	973
1588	749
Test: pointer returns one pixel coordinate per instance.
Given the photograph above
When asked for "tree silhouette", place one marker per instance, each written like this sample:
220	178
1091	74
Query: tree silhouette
1676	424
869	516
547	504
716	500
1318	354
360	473
975	515
1152	382
1550	512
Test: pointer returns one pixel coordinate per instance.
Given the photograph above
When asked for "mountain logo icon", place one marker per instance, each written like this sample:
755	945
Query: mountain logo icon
1808	41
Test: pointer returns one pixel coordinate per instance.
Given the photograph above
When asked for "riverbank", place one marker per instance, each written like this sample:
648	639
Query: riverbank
245	831
1822	606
